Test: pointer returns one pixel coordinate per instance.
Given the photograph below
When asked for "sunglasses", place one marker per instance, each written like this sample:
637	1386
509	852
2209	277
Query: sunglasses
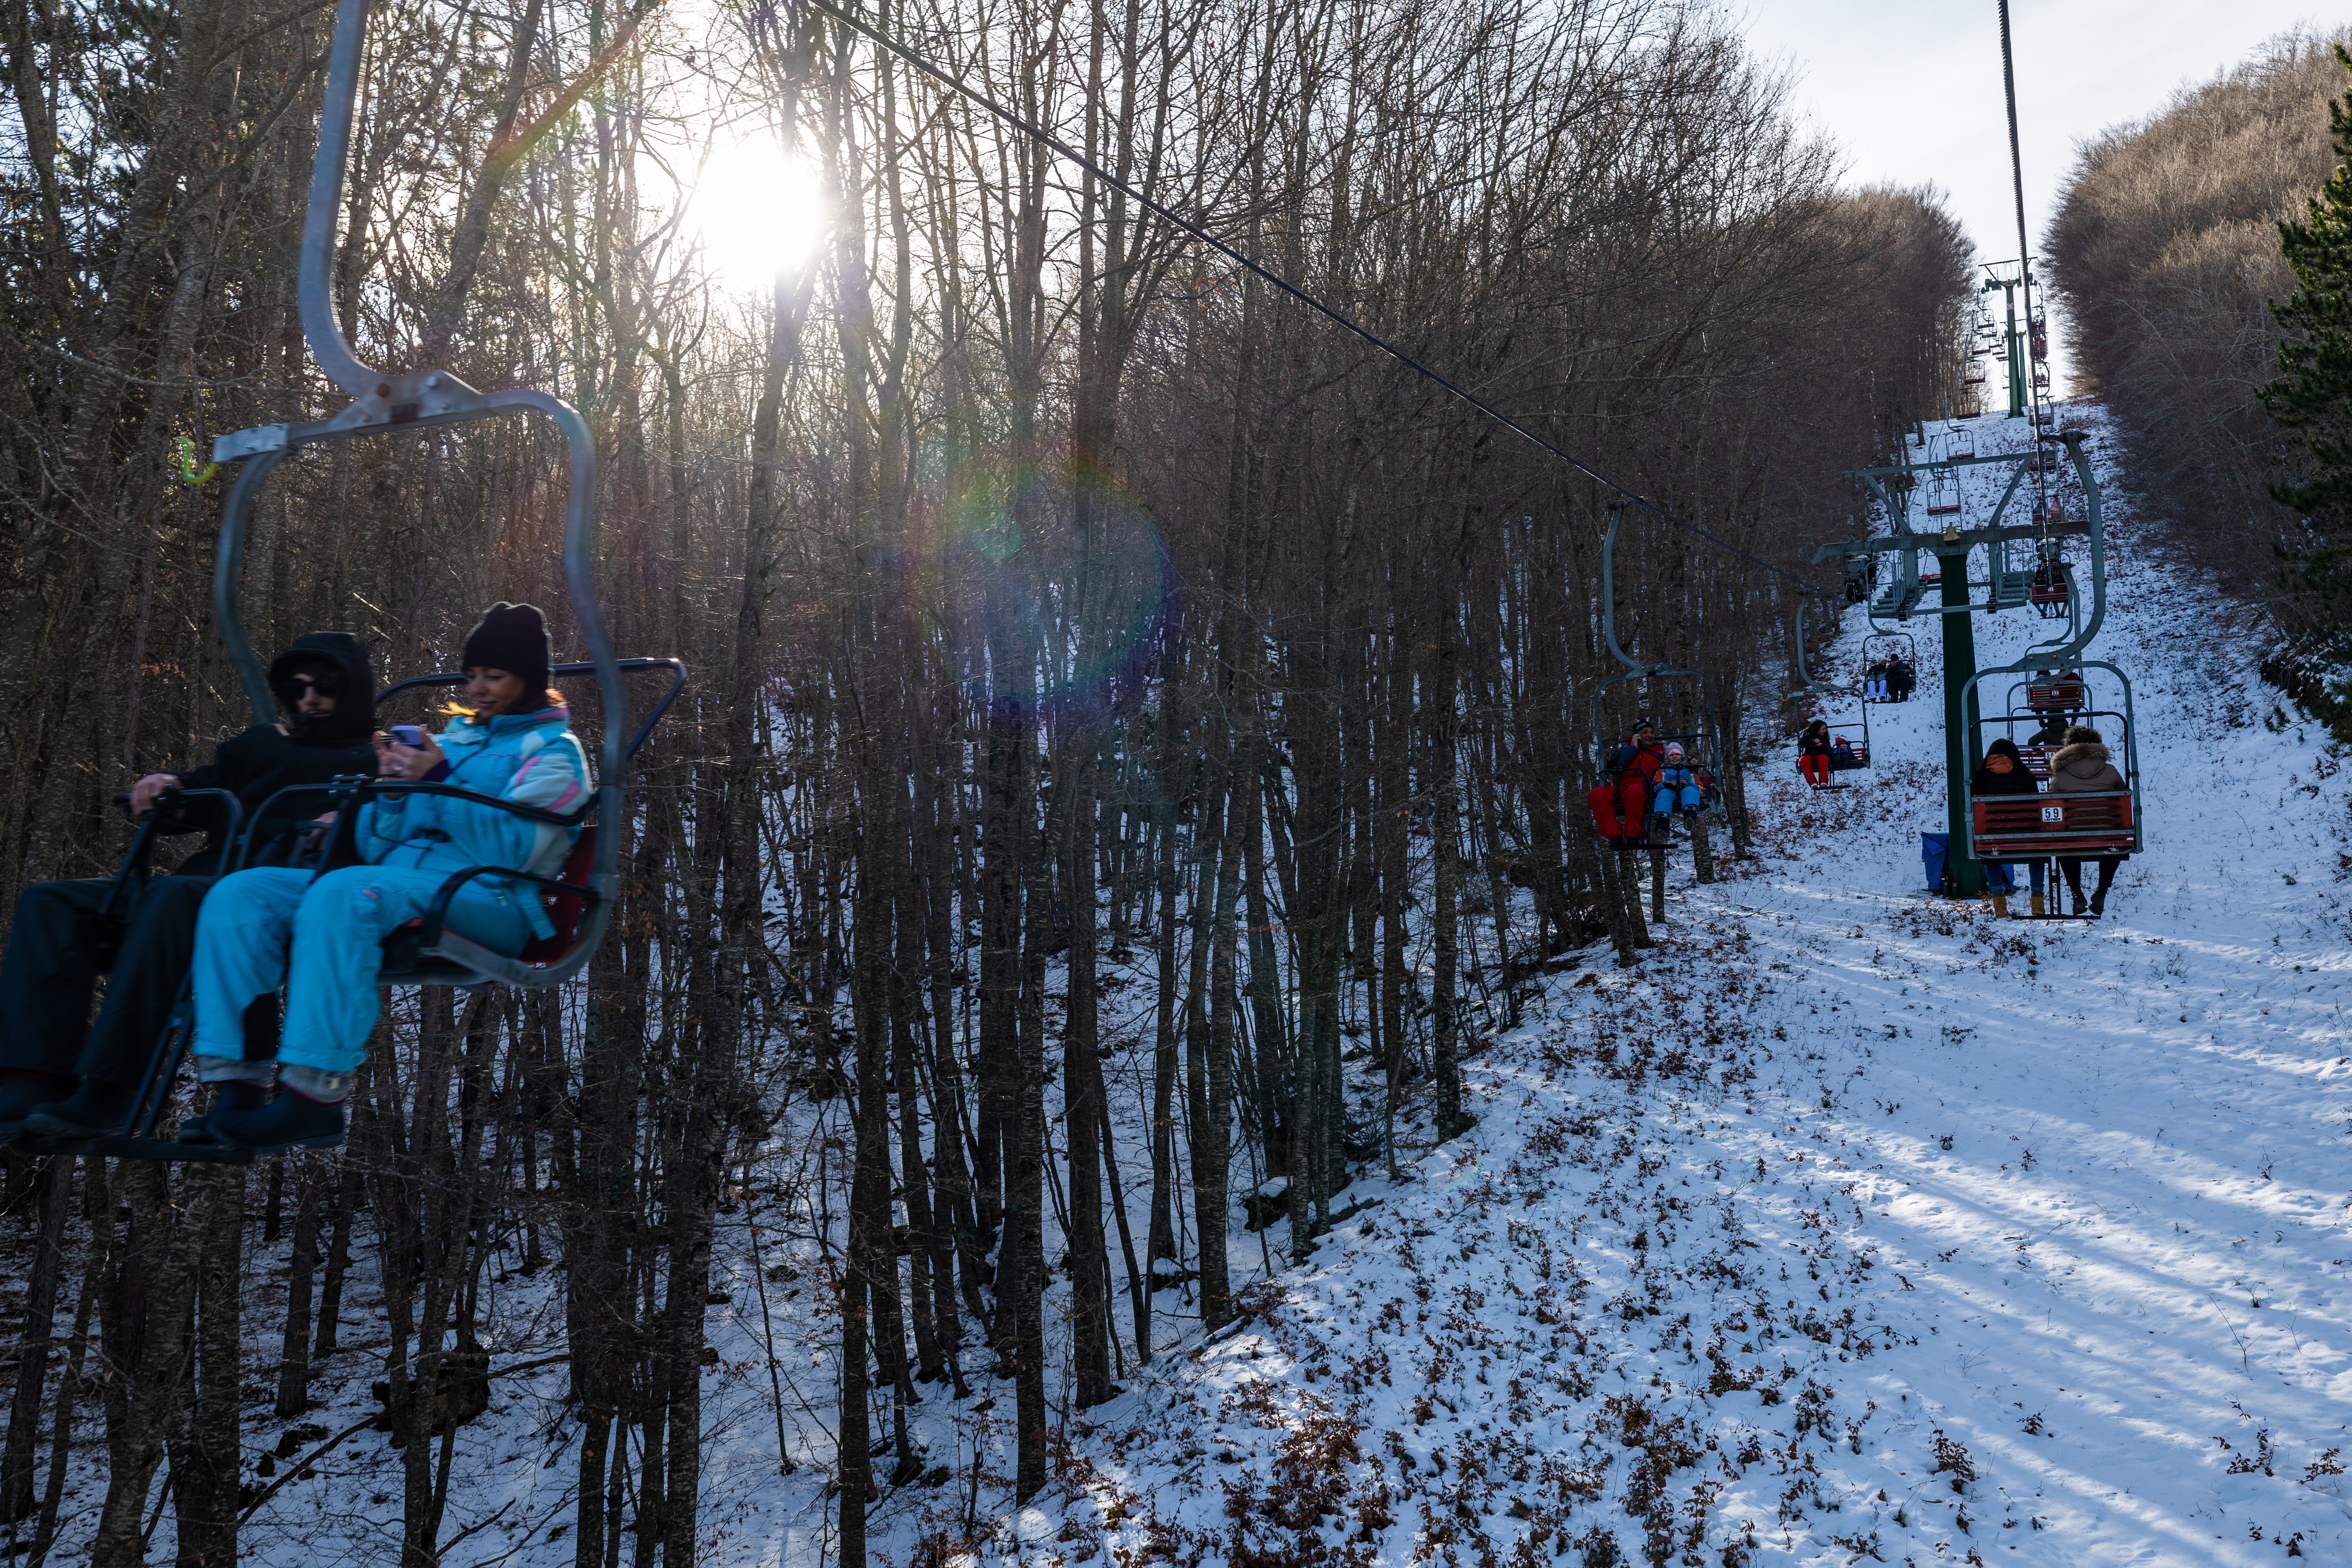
325	682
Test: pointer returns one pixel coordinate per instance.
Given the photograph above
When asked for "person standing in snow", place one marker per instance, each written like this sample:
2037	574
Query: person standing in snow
2083	766
1813	752
326	693
323	939
2003	772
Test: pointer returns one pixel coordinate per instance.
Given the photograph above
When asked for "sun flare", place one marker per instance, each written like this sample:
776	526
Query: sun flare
756	211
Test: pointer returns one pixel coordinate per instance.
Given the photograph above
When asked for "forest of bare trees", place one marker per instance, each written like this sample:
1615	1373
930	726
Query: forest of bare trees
1069	612
2165	256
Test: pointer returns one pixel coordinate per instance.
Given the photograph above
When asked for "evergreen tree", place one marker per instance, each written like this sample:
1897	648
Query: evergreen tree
2314	391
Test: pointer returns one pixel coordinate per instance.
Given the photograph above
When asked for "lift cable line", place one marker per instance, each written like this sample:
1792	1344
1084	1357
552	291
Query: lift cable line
1045	138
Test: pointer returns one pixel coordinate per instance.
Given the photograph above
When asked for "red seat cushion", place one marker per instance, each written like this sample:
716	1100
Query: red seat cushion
2021	827
564	910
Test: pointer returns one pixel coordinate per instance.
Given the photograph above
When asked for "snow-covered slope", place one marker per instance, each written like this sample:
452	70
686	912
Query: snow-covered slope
1852	1226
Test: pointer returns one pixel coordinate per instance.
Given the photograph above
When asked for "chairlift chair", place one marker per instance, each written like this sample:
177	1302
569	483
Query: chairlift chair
2052	583
1871	654
579	897
2106	825
1702	742
1961	441
1854	732
1861	578
1944	495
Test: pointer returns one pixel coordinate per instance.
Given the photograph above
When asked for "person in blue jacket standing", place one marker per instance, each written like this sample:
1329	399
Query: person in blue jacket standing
322	939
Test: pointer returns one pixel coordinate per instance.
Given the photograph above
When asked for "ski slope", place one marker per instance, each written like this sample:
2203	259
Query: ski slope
1852	1226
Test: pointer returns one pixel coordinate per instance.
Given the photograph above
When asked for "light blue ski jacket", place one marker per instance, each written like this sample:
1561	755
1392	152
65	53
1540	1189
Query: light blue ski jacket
532	759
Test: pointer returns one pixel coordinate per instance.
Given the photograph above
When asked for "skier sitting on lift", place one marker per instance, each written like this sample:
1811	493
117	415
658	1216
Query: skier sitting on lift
1873	682
323	939
1813	752
1679	791
1899	678
327	692
1639	754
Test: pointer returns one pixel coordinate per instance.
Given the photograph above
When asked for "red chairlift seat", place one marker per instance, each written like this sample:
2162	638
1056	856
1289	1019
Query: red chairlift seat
2037	826
2056	696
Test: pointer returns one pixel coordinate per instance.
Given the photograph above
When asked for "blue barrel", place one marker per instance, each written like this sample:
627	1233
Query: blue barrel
1932	850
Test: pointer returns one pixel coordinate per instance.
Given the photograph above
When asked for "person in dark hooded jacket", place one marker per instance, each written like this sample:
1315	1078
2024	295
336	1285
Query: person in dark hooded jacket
2003	771
327	692
2083	766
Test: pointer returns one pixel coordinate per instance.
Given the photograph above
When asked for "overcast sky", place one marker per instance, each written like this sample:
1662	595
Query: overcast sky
1911	91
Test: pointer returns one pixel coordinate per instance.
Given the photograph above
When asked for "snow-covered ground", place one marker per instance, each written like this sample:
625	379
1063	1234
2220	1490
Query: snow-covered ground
1851	1225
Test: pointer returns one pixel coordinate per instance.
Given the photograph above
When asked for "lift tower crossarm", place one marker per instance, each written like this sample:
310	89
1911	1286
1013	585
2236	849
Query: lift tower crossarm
1968	537
1867	474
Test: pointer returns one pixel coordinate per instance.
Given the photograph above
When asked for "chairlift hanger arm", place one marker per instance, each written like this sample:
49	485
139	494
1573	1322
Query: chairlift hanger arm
2094	527
1982	461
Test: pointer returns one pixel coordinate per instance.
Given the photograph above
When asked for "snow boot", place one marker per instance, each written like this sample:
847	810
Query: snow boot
2000	906
2099	904
290	1121
2041	907
96	1108
23	1093
236	1097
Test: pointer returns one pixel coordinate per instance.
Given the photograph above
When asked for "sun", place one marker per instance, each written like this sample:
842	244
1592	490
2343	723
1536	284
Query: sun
756	211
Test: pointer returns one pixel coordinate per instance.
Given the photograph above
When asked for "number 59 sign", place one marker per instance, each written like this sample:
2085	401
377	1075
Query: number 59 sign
2054	814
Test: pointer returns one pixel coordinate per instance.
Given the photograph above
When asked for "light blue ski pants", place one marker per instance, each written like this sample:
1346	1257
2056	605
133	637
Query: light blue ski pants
323	940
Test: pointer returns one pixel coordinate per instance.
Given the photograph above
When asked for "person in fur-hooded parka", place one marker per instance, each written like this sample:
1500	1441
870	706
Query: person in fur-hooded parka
2083	766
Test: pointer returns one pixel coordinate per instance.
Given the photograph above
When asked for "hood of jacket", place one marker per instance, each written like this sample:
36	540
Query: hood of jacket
2090	753
353	718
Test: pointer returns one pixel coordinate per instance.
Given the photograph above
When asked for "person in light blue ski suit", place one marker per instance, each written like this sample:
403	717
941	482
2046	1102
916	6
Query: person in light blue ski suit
322	939
1677	786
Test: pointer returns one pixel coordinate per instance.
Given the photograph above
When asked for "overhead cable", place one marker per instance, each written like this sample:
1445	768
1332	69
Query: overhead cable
1346	323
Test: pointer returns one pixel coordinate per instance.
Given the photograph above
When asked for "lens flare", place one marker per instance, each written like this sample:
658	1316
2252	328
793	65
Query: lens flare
1016	579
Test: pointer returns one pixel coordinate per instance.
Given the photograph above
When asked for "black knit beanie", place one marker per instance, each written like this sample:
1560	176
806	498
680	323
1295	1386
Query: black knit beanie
512	638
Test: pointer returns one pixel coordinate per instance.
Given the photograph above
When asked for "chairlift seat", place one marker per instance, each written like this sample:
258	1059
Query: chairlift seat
2036	826
2055	697
454	960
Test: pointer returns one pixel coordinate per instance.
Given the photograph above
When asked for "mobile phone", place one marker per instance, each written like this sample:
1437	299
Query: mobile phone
408	734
